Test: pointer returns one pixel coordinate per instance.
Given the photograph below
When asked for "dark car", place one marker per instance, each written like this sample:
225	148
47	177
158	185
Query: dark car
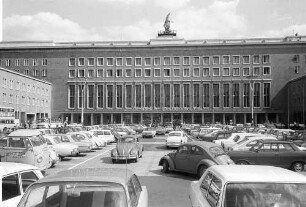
195	158
218	134
272	152
160	131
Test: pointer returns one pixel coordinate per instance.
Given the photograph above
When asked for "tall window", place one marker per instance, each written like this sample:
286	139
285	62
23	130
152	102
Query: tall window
71	95
216	95
256	94
119	96
196	95
157	95
109	96
128	96
246	95
167	95
100	96
205	95
138	95
138	61
267	94
186	94
90	96
80	95
226	95
236	95
147	95
176	95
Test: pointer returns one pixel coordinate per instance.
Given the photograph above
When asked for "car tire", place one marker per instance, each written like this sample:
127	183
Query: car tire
201	170
298	167
242	162
165	168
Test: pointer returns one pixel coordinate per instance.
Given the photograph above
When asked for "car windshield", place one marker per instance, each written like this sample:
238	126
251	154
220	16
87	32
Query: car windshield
175	134
128	139
107	133
216	151
74	194
243	141
56	140
265	194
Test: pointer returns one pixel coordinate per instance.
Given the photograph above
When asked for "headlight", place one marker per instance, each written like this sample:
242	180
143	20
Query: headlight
39	160
75	150
133	152
114	152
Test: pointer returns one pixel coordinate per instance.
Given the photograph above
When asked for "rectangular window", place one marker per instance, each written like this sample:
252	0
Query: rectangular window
236	71
128	72
167	61
216	60
216	71
81	73
44	62
196	95
128	96
236	95
167	95
35	73
266	59
90	96
266	70
35	62
17	62
156	60
176	60
119	97
109	61
8	62
186	60
236	59
256	94
26	62
147	72
138	72
128	61
44	72
100	96
90	73
246	59
267	94
176	88
256	59
167	72
157	95
225	95
109	92
205	72
138	96
226	59
91	61
26	72
100	73
246	71
216	95
196	72
148	61
196	60
206	95
176	72
81	61
138	61
109	73
119	73
80	96
226	71
186	72
156	72
186	94
206	60
147	95
246	95
256	71
71	95
119	61
100	61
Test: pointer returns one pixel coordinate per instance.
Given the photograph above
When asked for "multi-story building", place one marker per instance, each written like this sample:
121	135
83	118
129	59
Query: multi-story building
30	97
163	79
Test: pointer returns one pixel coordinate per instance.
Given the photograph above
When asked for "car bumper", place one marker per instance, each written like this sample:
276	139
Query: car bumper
147	135
173	144
124	157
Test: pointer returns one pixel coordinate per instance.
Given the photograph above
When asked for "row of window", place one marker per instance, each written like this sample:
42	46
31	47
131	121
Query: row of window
166	72
11	84
23	62
169	60
34	72
178	95
10	98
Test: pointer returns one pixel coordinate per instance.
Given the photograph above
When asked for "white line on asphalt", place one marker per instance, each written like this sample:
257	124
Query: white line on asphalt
89	159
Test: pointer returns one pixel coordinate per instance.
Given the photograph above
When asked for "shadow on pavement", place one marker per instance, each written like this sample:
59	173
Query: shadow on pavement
172	174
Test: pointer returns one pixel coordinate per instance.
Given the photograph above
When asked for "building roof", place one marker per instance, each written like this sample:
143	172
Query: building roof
256	173
12	167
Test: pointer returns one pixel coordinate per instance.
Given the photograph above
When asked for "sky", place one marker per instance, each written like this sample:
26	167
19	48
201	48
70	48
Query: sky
140	20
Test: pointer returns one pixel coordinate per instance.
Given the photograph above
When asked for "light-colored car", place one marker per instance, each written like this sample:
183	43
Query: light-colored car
63	149
15	178
176	138
248	186
148	133
105	135
248	142
73	139
94	187
83	138
92	136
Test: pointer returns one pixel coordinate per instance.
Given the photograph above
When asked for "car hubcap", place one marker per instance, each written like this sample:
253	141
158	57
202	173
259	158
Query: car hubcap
298	167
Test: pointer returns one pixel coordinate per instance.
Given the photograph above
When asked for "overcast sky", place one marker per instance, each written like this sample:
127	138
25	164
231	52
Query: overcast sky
107	20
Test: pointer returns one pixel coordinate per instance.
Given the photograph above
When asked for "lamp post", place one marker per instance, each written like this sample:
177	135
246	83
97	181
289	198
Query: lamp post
83	102
252	98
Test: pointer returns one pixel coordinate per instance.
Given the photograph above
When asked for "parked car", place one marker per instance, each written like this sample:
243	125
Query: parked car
217	134
83	137
204	131
15	179
272	152
92	187
195	158
63	149
248	186
92	136
248	142
127	148
176	138
148	133
105	135
160	130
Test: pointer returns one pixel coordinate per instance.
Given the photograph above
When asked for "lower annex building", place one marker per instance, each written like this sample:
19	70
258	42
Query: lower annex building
164	79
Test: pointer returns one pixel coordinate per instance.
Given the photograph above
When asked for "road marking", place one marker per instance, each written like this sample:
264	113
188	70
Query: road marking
89	159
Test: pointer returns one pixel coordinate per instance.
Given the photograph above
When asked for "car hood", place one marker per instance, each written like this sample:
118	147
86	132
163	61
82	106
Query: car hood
125	148
224	160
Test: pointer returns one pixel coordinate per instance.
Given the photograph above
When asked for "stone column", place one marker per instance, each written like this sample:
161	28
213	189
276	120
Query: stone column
101	118
91	119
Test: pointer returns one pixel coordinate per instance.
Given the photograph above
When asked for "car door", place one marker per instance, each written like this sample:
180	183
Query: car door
268	154
195	156
288	155
181	160
11	190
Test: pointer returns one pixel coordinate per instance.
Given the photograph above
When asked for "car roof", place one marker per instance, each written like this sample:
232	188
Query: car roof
249	173
275	141
12	167
203	144
115	175
25	133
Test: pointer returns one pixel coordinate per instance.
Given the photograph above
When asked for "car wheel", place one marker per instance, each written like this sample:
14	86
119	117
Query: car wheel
298	166
165	168
241	162
201	170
